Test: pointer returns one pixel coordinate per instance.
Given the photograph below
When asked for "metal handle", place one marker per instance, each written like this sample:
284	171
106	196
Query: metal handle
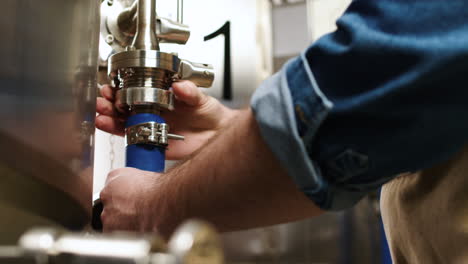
200	74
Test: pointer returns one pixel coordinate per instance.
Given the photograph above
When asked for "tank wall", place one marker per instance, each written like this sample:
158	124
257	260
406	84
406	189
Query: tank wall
48	66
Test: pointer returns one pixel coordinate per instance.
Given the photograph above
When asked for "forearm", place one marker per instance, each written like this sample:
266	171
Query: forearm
234	182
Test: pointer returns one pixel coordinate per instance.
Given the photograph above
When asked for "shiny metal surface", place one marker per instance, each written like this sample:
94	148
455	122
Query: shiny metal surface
151	133
145	36
119	25
57	246
47	106
194	242
350	237
169	31
180	11
145	96
200	74
142	71
143	58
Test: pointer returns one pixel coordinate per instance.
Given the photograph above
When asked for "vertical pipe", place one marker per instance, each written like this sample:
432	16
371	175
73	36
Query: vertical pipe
180	11
145	156
145	37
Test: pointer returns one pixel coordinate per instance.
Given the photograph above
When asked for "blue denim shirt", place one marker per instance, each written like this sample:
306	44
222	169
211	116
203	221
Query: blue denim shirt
386	93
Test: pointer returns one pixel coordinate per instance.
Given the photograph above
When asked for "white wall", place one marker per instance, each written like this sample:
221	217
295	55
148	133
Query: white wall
297	26
323	15
291	30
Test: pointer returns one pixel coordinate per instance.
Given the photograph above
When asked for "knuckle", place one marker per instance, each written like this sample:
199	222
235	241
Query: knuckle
104	196
104	217
113	174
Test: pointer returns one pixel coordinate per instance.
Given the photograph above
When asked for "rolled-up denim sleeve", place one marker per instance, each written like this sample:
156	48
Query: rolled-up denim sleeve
386	93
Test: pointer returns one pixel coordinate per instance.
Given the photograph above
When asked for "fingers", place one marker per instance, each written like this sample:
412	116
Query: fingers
109	119
108	104
108	93
122	171
125	200
110	125
188	92
105	107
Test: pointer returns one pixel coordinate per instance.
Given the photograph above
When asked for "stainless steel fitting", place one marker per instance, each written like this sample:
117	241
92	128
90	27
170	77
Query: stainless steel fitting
151	133
143	72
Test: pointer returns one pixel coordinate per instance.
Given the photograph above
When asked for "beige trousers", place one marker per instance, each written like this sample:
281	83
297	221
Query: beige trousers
426	214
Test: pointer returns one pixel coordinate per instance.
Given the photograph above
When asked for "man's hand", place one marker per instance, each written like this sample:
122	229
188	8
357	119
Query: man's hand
196	116
128	200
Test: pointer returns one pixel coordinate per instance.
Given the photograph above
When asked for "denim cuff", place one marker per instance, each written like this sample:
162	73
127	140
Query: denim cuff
279	115
289	109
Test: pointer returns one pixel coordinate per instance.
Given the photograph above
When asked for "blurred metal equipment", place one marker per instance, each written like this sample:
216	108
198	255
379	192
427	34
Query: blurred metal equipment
350	237
194	242
49	52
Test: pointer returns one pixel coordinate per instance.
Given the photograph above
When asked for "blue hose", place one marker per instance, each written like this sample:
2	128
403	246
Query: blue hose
144	156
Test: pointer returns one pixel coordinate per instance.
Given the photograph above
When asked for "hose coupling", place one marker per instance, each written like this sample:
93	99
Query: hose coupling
152	133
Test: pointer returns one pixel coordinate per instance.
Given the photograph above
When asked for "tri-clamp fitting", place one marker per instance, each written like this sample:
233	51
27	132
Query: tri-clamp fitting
142	73
151	133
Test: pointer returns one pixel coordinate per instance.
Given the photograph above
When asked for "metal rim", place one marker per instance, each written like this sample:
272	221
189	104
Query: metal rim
143	58
145	96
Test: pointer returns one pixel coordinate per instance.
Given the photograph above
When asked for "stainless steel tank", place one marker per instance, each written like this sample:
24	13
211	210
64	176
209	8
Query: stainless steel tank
48	66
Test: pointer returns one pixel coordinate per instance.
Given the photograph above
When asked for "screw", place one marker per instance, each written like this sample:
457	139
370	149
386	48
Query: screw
110	2
109	39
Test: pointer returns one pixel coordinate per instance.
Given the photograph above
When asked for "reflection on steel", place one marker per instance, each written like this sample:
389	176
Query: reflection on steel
344	237
47	107
145	96
200	74
194	242
152	59
172	32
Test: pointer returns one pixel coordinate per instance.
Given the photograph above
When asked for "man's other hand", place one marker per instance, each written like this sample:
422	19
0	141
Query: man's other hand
127	198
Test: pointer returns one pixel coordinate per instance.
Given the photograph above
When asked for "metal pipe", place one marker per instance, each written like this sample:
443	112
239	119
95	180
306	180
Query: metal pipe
127	20
145	38
180	11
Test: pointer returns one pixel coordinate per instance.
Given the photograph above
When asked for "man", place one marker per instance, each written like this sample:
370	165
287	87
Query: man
383	95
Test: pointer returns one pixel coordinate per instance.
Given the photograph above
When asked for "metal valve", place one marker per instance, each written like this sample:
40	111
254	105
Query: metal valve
143	72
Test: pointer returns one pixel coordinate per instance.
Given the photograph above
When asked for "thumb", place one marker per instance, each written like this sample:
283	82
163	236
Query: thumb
188	92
